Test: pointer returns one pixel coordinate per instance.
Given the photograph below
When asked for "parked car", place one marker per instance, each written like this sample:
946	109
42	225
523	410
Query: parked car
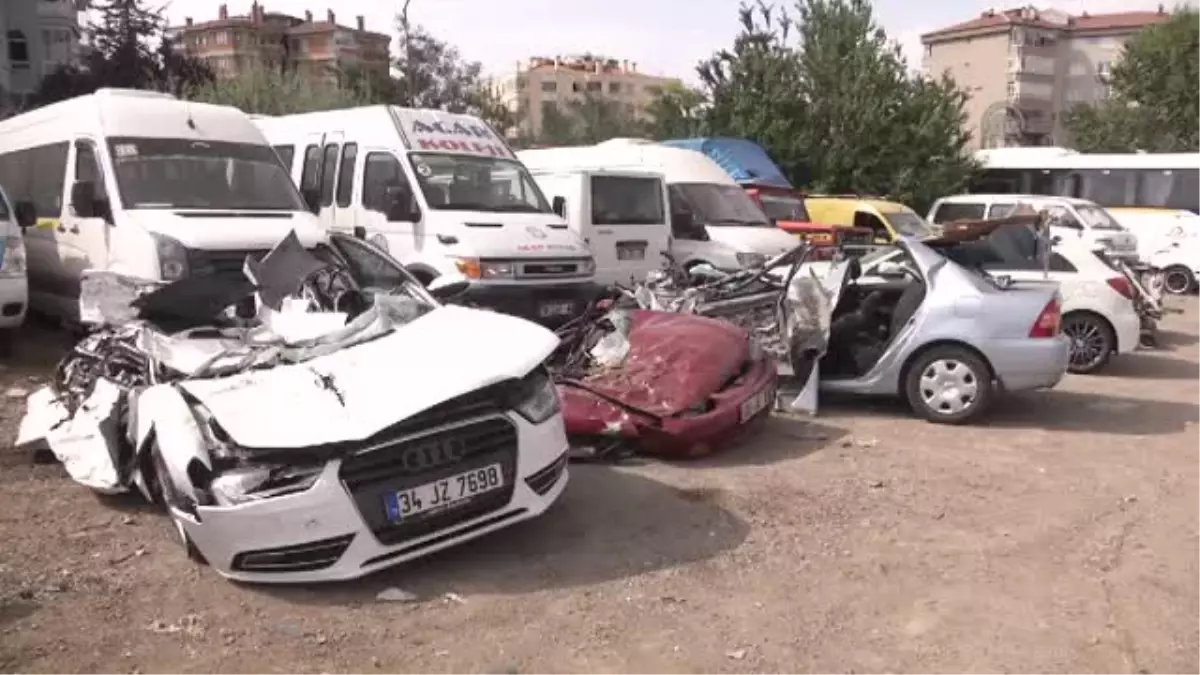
945	338
1097	301
14	287
1168	240
887	220
354	426
1070	218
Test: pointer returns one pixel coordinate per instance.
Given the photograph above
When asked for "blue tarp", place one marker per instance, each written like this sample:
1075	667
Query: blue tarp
746	161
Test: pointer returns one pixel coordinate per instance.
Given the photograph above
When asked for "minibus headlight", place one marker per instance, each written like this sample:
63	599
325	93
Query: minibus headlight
172	257
588	266
474	268
13	261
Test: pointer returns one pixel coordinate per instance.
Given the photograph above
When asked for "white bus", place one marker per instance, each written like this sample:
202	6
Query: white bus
141	183
1139	180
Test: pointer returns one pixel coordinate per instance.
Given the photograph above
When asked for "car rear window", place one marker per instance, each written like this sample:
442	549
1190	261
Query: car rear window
950	212
627	200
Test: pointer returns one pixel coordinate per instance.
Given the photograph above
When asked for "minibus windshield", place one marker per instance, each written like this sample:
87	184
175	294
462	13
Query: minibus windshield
471	183
169	173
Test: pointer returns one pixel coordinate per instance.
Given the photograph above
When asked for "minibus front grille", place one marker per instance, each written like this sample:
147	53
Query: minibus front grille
219	263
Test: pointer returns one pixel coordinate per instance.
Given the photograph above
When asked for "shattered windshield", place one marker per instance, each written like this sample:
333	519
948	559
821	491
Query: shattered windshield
909	224
170	173
715	204
469	183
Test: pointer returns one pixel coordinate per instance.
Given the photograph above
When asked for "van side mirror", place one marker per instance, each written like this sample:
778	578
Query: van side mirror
312	199
559	206
25	213
399	203
83	198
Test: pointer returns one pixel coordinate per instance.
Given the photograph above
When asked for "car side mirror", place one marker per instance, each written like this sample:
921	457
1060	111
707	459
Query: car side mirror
312	199
450	290
399	206
25	213
559	206
891	270
83	198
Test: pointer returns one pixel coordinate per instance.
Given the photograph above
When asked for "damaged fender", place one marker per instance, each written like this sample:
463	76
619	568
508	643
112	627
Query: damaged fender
162	418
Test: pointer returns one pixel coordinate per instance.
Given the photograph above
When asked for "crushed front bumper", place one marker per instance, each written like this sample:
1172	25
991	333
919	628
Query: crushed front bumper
338	528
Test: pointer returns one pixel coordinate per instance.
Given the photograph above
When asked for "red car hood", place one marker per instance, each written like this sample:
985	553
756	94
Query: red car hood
675	362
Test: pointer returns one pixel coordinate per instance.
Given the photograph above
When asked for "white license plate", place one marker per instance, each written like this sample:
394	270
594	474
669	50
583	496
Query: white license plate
443	493
631	253
756	403
549	309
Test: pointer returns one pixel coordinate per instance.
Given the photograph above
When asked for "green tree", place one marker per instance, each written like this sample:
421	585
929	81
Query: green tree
1155	104
267	91
677	112
120	54
587	120
831	98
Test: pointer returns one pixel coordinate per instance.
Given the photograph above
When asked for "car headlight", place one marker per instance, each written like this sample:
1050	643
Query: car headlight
261	481
536	397
13	262
172	257
588	266
751	259
474	268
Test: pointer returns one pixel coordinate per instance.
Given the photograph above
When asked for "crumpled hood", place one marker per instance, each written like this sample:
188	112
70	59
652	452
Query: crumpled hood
675	362
356	392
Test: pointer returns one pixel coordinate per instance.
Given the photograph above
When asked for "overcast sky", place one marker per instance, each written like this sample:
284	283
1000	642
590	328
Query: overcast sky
666	37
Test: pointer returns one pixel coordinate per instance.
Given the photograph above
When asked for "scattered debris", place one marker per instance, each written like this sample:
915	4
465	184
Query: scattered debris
455	597
137	553
737	654
16	392
394	594
875	484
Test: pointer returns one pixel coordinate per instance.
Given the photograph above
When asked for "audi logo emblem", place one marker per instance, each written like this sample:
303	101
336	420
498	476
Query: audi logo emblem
433	454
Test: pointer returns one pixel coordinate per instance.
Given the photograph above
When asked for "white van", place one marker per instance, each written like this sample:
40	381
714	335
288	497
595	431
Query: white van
14	290
446	196
621	214
713	220
144	184
1070	218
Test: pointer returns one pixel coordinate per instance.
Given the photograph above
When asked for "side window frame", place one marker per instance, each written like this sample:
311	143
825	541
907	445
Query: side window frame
287	161
373	202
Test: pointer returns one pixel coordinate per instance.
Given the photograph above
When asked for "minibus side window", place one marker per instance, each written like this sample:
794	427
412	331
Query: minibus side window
345	181
312	168
329	173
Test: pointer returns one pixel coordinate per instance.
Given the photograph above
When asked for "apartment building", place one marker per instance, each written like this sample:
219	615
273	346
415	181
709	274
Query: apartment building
1023	68
543	82
318	49
39	35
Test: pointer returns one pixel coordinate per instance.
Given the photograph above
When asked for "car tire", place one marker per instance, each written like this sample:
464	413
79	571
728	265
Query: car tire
159	490
1178	280
931	379
1092	341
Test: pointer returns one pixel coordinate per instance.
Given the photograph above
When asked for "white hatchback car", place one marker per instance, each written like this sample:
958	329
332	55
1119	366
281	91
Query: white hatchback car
1098	300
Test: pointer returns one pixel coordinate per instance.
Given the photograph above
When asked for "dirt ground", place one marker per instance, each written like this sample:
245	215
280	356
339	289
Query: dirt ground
1060	536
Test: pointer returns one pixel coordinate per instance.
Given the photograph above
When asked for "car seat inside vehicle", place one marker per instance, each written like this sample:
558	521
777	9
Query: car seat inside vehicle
868	317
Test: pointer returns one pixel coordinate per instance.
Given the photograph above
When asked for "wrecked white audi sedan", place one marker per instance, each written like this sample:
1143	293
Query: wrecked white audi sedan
351	424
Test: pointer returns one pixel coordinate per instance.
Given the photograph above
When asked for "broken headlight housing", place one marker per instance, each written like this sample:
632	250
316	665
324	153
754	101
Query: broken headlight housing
12	257
172	257
535	397
253	482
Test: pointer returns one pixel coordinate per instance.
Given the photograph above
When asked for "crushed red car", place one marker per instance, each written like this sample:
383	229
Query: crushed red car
681	363
672	384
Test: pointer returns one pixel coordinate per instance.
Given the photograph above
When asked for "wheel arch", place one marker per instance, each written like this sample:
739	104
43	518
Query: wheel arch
1112	330
945	342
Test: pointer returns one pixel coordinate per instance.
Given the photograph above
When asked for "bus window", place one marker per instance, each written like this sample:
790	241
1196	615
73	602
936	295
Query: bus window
1107	187
1170	188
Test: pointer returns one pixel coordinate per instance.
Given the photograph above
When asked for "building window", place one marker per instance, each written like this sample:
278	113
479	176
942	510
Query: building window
549	86
928	50
614	87
1104	70
18	49
575	87
1012	90
653	89
595	86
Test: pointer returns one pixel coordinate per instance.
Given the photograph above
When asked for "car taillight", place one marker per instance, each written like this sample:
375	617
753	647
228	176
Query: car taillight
1121	285
1048	322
